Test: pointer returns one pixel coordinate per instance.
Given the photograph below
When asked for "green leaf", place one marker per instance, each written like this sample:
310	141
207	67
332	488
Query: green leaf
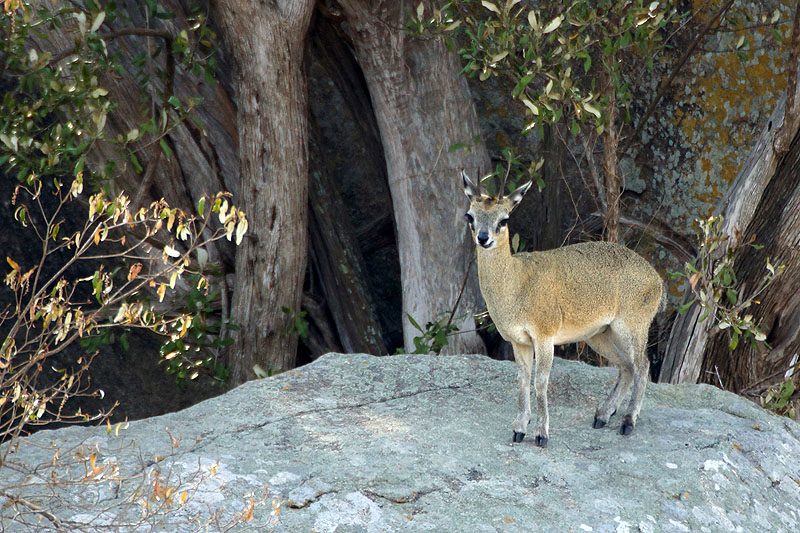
490	6
521	84
414	323
97	286
165	147
685	308
174	101
137	167
787	390
79	165
734	341
201	206
732	296
553	25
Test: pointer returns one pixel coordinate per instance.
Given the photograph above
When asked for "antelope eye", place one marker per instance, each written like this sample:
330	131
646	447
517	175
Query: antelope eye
470	218
503	223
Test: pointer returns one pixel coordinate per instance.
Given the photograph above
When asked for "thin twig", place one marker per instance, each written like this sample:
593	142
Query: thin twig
765	383
59	525
664	85
716	373
142	32
460	293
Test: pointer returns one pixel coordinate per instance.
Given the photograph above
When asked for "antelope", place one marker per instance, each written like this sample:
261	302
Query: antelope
600	293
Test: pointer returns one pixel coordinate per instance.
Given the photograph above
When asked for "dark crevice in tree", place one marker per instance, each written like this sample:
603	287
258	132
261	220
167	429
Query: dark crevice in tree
355	195
337	262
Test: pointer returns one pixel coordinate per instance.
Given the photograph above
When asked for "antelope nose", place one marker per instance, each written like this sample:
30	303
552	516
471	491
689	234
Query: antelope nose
483	238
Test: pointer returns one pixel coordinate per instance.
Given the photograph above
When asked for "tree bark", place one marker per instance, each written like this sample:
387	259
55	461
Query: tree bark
742	206
266	41
611	160
202	162
423	107
776	225
549	216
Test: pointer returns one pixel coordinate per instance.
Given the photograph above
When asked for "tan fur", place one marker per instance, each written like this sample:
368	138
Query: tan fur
598	292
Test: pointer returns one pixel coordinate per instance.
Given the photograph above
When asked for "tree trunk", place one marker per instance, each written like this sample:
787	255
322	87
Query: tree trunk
742	206
423	107
776	225
266	42
549	215
202	162
611	160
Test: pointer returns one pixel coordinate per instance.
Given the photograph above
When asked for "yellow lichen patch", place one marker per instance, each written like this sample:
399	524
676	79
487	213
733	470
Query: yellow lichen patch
502	139
718	110
676	290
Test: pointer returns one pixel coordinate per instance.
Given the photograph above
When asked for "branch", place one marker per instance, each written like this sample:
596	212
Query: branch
59	524
664	85
460	293
683	250
143	32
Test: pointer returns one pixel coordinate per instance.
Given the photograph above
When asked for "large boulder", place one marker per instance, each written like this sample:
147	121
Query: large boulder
419	443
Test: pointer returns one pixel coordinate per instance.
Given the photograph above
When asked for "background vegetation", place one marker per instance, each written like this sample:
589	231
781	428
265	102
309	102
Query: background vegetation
134	137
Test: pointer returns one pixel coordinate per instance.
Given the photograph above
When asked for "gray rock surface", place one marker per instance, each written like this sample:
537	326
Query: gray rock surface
421	443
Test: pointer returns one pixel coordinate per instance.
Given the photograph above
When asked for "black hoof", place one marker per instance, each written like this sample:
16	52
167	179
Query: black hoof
541	441
627	425
597	424
518	437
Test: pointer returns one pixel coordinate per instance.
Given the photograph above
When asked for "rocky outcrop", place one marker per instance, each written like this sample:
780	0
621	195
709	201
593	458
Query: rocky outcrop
421	443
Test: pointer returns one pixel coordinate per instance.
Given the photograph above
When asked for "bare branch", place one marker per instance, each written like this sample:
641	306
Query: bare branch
664	85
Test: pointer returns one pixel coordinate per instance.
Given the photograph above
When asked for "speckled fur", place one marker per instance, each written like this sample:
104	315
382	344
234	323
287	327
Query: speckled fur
598	292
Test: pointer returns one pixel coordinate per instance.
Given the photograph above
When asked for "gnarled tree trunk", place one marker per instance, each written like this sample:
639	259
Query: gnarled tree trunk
759	202
265	41
423	107
776	226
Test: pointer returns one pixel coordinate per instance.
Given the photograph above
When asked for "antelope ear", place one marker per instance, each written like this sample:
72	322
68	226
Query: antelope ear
518	193
469	188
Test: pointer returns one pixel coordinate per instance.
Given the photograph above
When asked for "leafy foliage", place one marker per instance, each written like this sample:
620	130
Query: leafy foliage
555	54
197	352
434	335
53	112
55	109
112	267
712	279
783	399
